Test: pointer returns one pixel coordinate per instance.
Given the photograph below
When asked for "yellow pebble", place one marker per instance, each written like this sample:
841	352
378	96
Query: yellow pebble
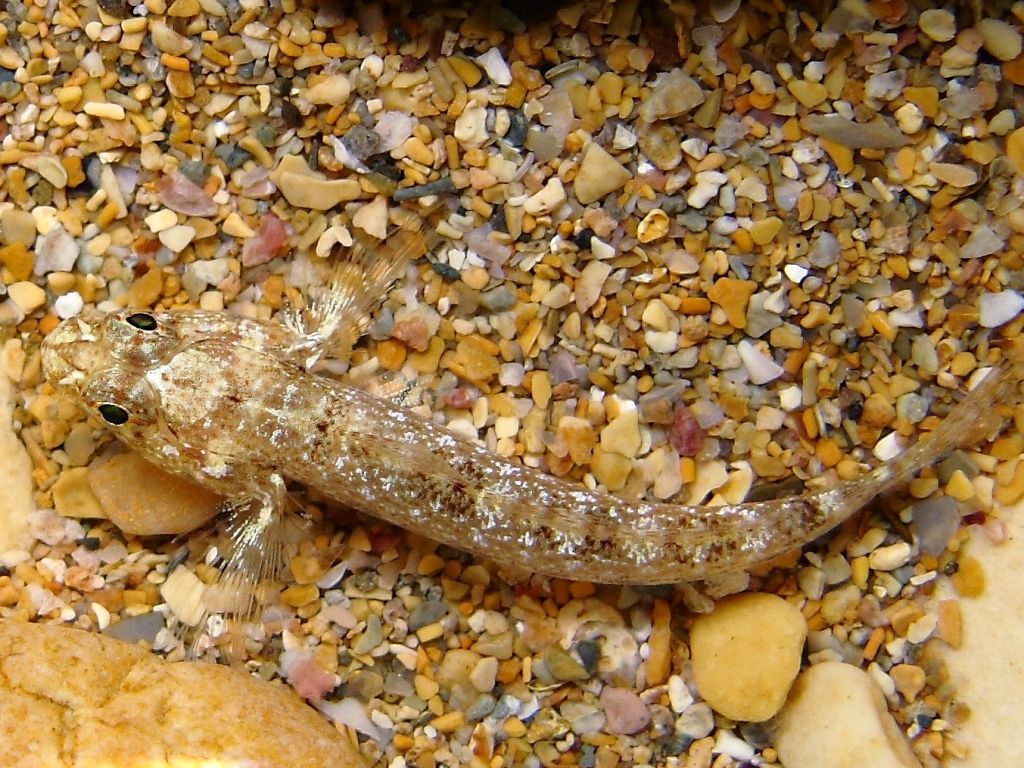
300	595
514	728
959	487
430	632
448	722
859	572
430	564
425	687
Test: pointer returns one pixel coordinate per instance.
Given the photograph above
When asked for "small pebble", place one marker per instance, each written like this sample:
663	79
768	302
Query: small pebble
599	175
995	309
624	710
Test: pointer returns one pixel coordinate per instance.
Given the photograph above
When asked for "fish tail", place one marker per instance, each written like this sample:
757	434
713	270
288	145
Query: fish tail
972	420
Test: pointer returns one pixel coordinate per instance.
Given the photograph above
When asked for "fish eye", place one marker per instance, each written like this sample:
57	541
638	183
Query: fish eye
113	414
141	320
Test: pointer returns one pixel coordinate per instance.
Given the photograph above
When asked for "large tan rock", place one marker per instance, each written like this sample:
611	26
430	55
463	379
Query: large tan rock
70	698
836	718
142	499
746	654
17	492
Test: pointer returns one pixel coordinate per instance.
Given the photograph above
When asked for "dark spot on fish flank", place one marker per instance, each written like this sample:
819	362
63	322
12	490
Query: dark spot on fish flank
453	499
546	533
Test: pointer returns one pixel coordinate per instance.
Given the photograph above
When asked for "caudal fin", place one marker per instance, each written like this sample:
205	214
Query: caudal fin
970	422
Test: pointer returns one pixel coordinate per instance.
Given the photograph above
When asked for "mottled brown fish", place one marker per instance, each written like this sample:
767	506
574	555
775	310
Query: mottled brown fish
231	404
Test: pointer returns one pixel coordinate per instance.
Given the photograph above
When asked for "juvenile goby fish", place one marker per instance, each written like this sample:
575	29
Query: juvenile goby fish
231	404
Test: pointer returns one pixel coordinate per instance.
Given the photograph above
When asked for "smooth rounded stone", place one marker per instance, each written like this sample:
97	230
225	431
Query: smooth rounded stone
17	226
599	174
994	309
332	90
660	143
624	711
912	407
746	654
938	24
696	721
499	299
561	665
110	700
1000	38
305	188
135	628
484	674
675	94
836	717
935	522
142	499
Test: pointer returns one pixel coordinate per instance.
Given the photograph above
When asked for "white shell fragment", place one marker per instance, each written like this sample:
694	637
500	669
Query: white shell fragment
994	309
760	367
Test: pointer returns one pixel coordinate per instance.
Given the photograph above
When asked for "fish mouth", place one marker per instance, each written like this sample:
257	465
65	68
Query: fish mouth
72	352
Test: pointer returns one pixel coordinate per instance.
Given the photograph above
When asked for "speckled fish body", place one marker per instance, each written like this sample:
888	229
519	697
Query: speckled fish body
228	403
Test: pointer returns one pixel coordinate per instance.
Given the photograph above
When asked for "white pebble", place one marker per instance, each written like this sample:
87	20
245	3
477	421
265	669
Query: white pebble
728	743
601	249
889	447
662	342
695	148
994	309
984	241
790	398
56	251
889	558
495	66
679	696
471	126
923	628
795	272
547	199
760	367
14	557
68	305
624	138
176	238
707	185
160	220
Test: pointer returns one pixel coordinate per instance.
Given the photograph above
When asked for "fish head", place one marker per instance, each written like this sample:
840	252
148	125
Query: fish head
101	363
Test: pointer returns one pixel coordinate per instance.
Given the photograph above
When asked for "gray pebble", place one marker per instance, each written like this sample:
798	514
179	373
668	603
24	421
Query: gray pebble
143	627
